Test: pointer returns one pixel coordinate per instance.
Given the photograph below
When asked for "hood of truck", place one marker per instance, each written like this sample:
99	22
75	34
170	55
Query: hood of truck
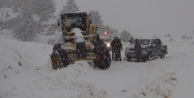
132	46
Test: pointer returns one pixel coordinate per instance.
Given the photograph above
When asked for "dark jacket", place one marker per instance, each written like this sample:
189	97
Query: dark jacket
137	46
113	44
116	44
131	41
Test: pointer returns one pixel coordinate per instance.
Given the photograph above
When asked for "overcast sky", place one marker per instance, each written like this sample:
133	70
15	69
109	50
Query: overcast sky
142	17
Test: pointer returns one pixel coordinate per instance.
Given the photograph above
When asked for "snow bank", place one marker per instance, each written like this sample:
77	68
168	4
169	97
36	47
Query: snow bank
19	60
26	72
60	83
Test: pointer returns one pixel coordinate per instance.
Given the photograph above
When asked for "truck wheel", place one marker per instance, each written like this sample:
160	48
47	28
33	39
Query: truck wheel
103	60
128	58
149	57
59	59
162	55
57	46
144	59
138	59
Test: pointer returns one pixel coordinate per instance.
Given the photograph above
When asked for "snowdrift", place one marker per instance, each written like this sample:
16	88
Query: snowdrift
26	72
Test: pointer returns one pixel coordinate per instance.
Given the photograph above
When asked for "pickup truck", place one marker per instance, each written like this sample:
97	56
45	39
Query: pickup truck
150	49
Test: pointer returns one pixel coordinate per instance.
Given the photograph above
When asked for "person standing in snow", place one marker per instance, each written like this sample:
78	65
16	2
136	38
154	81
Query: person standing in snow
137	49
113	47
131	41
118	48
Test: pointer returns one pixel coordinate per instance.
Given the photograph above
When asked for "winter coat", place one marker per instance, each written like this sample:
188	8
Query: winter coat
137	47
131	41
116	44
113	44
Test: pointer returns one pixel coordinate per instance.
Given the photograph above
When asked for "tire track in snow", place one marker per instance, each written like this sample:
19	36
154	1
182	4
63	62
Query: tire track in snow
64	80
162	80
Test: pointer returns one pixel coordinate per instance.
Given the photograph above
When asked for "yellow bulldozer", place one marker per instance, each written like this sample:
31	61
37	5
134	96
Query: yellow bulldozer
80	42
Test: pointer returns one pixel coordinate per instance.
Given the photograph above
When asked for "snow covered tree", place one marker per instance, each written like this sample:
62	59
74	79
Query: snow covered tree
70	7
30	16
5	3
168	35
111	32
26	29
10	3
7	14
52	28
96	20
44	9
51	41
171	40
125	36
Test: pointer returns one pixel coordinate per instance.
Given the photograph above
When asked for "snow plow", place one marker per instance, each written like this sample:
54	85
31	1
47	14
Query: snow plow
80	42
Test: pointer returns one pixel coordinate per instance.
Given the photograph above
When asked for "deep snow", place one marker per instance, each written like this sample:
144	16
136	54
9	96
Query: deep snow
26	72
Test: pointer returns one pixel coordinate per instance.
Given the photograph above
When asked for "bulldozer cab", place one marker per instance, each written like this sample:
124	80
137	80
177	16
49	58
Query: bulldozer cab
74	20
82	21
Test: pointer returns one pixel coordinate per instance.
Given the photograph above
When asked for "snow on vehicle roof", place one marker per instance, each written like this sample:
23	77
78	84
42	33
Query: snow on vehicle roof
78	33
75	12
104	37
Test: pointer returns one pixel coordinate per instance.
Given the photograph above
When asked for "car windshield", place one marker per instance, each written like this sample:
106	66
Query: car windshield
73	21
105	39
145	41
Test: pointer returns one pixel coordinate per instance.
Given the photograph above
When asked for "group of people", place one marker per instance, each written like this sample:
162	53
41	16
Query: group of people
116	49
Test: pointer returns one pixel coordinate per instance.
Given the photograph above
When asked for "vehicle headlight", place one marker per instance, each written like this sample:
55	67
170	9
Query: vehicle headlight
108	45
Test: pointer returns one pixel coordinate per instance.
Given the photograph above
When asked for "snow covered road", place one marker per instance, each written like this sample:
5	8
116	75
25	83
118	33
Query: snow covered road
170	77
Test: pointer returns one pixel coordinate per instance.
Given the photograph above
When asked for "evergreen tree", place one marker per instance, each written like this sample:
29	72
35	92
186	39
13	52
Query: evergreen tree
125	36
51	29
2	3
111	32
43	8
5	4
8	3
70	7
31	14
7	15
168	35
96	20
26	29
